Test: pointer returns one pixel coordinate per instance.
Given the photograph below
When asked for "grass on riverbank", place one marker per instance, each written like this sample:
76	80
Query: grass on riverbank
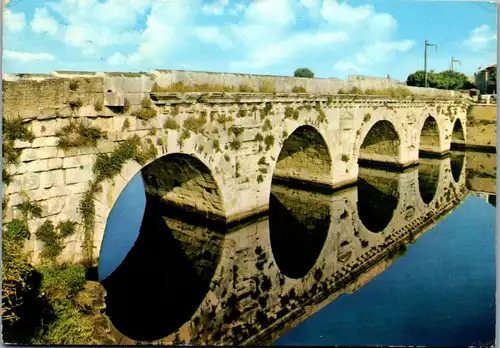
41	305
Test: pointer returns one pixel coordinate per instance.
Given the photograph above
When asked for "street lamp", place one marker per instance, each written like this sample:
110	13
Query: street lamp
453	60
427	44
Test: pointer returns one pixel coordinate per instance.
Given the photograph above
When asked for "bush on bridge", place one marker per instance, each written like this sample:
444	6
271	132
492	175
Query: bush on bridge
304	72
78	134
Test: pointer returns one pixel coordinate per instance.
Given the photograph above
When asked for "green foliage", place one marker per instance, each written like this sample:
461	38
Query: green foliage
17	230
98	105
267	87
152	131
195	124
126	105
258	137
126	124
235	144
266	110
345	158
107	166
170	123
267	125
226	157
262	161
237	131
78	134
6	177
260	178
73	85
321	113
28	207
304	72
291	113
16	129
246	88
448	79
298	89
216	144
367	117
66	228
269	141
147	111
75	103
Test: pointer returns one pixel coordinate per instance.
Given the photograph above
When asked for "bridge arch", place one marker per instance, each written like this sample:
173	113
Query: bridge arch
304	157
430	140
183	181
174	184
429	179
381	142
458	135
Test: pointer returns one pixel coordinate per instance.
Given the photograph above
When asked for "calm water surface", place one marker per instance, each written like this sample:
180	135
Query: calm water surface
441	292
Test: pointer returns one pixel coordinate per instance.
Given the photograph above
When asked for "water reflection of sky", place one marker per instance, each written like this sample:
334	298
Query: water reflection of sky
441	293
123	226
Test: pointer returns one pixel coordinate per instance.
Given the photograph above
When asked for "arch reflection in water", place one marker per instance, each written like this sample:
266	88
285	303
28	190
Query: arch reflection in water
298	227
428	178
457	164
378	197
122	227
165	276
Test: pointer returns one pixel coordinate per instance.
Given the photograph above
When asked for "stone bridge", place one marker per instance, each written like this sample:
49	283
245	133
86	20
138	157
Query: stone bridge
263	278
211	153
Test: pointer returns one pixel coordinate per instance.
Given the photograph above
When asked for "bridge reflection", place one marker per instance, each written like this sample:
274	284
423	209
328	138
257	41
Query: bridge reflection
189	282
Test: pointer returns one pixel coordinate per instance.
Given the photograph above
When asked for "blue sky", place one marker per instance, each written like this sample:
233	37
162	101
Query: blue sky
333	38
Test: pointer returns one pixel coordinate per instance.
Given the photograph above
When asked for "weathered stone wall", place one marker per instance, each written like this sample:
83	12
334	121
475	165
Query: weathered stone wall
39	99
132	82
228	134
481	171
251	302
482	127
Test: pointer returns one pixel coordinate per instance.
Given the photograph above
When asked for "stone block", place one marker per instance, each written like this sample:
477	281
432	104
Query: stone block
65	111
14	186
19	144
52	178
28	115
77	161
45	141
52	206
32	154
76	175
31	181
47	113
129	170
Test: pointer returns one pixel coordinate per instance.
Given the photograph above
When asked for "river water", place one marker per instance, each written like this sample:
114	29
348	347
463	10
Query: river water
318	269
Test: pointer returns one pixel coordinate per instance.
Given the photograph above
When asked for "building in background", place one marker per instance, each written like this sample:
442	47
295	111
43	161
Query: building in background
485	79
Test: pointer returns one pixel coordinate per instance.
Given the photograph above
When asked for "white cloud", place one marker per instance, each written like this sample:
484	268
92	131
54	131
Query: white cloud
278	13
43	22
26	56
212	35
13	21
238	8
337	13
480	38
216	8
346	66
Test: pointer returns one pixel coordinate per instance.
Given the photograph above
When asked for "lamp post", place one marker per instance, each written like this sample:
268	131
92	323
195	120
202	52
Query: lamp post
453	60
427	44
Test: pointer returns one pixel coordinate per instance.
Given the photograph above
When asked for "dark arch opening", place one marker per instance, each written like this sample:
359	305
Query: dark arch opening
457	164
167	273
492	199
381	140
378	198
429	137
457	136
428	179
299	222
304	157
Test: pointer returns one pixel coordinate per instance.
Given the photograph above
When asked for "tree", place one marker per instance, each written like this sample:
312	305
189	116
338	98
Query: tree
304	72
448	79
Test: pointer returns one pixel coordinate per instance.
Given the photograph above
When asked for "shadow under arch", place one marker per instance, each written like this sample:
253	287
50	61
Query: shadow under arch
457	164
429	137
381	144
299	222
457	136
304	157
428	178
167	273
378	198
